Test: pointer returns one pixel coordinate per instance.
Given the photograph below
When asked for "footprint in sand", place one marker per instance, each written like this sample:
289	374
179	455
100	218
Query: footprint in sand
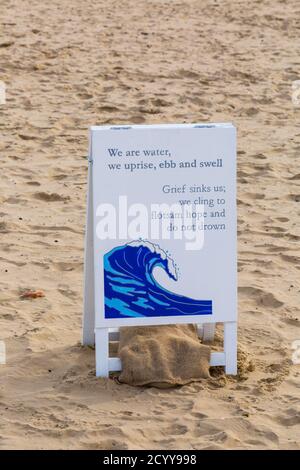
294	197
176	430
66	291
50	197
107	444
267	299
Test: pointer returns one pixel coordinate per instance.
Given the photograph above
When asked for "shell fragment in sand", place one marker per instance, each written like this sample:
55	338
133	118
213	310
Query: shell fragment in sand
32	294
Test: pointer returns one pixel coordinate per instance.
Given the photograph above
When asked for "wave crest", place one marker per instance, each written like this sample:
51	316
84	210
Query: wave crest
132	291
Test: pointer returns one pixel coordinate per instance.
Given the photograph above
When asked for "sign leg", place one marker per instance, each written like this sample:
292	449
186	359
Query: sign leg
88	323
102	352
208	332
230	347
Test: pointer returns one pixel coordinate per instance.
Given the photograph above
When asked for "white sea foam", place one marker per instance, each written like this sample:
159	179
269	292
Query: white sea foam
155	248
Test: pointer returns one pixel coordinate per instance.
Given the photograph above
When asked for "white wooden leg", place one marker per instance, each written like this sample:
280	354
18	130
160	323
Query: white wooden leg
208	331
114	334
102	352
88	321
200	330
230	347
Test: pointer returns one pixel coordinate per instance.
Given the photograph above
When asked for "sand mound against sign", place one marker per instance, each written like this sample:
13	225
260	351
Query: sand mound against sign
162	356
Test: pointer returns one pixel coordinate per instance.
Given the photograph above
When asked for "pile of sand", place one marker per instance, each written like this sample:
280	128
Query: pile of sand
162	356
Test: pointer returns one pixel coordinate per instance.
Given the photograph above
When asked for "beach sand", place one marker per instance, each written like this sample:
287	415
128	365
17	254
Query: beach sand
68	65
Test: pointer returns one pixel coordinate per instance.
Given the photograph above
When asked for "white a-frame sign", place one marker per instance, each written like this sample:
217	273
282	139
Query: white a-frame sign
161	233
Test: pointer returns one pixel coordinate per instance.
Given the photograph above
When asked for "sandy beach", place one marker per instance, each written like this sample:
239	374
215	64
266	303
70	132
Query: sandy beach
71	64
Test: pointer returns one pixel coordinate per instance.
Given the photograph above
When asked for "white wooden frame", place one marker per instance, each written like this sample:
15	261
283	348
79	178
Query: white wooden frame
226	358
100	336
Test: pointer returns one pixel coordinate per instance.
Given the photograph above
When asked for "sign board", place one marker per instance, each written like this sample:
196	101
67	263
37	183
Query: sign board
161	230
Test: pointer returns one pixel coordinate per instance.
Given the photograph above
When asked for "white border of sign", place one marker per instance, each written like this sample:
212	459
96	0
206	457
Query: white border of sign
100	336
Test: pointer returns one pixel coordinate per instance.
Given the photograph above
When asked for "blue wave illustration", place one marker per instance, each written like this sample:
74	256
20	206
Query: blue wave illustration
132	291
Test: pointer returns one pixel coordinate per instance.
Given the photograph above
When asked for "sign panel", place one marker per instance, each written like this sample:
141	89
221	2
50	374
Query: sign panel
163	224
